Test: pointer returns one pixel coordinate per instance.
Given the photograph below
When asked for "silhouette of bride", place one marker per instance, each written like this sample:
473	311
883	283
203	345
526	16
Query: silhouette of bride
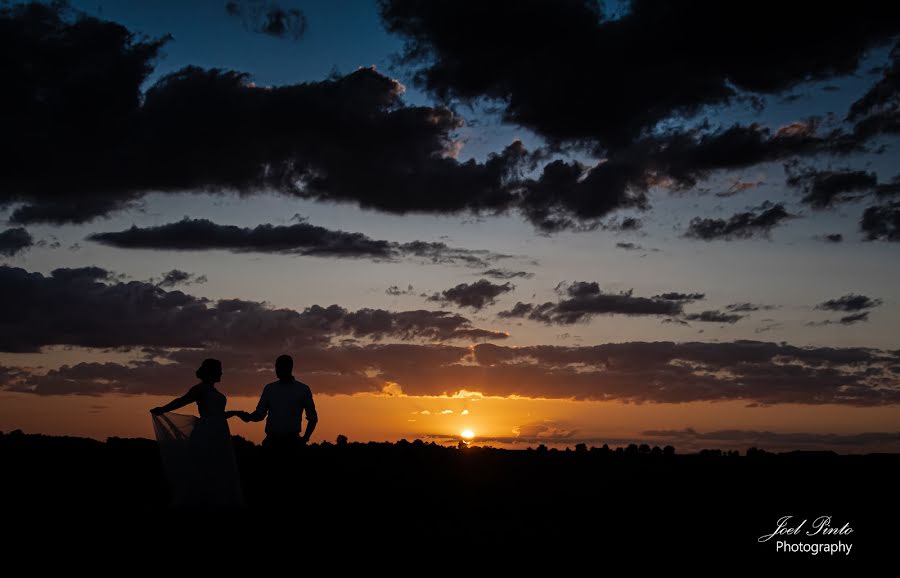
197	453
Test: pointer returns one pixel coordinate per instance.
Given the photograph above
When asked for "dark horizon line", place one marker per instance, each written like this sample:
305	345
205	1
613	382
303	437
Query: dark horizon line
716	452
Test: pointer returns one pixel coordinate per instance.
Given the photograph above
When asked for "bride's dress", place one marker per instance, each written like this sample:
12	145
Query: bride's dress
198	454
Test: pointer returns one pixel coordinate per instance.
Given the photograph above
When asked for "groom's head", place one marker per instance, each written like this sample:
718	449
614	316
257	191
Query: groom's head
284	367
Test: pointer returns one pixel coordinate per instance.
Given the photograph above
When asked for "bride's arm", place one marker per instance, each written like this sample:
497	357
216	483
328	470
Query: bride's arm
189	397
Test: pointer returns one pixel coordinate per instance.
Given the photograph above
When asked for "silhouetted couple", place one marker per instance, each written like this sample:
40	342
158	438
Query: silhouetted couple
197	452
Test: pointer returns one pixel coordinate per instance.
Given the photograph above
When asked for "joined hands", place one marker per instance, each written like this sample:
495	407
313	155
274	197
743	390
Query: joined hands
245	416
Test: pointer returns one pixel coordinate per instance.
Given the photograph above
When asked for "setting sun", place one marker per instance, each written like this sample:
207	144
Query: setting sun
467	434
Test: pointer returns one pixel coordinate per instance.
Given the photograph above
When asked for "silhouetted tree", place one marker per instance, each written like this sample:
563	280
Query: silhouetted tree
581	448
669	451
342	440
644	449
602	451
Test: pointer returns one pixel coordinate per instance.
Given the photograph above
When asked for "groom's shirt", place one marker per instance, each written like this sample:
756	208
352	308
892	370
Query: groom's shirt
285	402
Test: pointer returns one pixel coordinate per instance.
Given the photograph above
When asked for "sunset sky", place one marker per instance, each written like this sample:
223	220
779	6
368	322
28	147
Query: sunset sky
544	222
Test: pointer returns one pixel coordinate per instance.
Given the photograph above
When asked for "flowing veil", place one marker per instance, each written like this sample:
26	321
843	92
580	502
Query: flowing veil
198	459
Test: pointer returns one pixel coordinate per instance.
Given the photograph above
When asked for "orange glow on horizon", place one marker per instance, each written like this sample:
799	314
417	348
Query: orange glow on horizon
513	422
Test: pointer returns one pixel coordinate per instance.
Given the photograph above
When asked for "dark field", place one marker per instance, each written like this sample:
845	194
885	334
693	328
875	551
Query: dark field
595	502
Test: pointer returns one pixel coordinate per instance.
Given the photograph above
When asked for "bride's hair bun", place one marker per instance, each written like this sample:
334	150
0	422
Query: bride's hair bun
208	367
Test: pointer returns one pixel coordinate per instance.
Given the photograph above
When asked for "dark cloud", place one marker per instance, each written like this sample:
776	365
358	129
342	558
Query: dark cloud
545	430
748	307
854	318
506	274
856	305
49	243
777	440
476	295
643	372
773	372
881	223
203	234
585	300
882	122
437	252
849	303
826	188
8	375
352	138
573	196
688	441
178	277
883	94
568	194
67	275
878	111
70	211
380	324
330	370
740	225
626	224
267	17
675	296
84	140
397	291
714	316
739	187
519	310
299	238
14	241
71	88
634	247
550	68
845	320
833	238
789	98
84	307
768	325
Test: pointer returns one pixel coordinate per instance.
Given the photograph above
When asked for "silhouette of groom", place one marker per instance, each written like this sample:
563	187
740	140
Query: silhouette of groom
284	402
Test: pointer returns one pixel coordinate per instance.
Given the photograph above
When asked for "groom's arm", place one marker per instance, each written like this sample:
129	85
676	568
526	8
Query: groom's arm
312	418
262	408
